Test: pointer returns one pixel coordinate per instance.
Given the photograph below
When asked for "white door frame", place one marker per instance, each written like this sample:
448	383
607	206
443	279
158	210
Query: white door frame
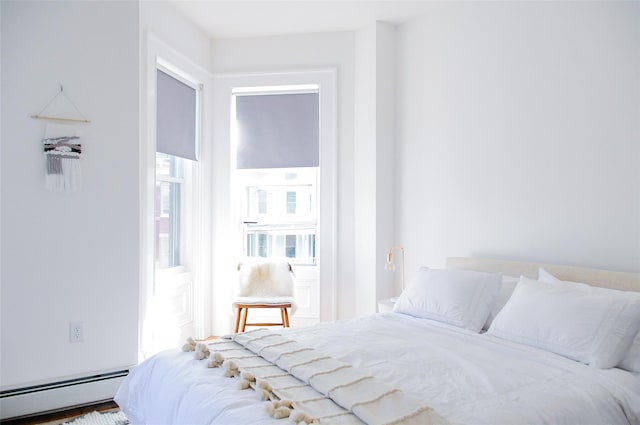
226	227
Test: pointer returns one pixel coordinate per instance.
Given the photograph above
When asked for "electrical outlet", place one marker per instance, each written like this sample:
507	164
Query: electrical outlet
76	333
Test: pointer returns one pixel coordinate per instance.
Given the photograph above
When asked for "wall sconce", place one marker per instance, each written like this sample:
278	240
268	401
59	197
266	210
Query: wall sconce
391	266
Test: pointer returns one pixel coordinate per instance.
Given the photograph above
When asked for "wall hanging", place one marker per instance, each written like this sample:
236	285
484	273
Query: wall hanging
62	148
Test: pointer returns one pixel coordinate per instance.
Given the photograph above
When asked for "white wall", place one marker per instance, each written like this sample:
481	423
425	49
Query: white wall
307	52
69	256
364	171
373	164
168	24
519	133
387	284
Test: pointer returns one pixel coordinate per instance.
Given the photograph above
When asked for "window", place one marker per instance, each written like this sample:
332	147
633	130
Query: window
262	245
315	208
279	213
277	167
176	151
291	202
291	246
262	201
169	183
175	212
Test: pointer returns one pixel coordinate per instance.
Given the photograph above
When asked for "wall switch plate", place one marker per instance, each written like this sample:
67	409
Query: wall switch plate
76	332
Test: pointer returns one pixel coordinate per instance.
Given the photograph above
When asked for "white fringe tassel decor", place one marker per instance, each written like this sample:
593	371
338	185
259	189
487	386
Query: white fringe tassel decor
62	150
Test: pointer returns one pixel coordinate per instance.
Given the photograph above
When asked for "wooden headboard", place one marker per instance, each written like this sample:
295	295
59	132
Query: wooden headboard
603	278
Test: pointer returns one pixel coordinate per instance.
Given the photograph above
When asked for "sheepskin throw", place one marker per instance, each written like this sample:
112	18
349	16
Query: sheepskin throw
265	279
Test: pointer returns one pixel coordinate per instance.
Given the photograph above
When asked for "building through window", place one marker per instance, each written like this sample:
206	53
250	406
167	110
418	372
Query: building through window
279	214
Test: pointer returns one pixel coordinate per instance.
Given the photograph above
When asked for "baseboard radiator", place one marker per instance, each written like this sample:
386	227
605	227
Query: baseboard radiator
60	395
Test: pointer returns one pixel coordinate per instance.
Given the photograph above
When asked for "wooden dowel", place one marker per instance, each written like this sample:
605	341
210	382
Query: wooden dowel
47	117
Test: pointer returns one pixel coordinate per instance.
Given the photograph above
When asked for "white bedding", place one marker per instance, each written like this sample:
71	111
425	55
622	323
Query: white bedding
468	378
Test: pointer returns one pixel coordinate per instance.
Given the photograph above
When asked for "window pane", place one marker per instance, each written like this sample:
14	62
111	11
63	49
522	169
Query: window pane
280	213
294	242
168	166
291	246
311	247
251	245
291	202
167	210
279	195
262	245
262	201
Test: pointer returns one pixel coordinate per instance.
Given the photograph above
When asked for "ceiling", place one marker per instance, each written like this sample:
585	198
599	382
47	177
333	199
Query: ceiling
241	18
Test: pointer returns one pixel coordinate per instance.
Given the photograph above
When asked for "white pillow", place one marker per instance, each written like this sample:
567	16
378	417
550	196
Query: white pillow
508	285
459	297
592	325
631	361
545	276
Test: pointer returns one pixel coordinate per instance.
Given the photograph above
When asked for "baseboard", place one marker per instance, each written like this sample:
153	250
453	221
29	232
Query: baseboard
59	395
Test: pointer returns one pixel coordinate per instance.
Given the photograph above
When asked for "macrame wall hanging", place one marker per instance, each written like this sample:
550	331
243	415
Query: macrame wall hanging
62	149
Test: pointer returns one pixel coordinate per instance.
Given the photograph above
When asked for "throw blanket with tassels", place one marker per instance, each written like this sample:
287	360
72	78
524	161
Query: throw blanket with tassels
318	388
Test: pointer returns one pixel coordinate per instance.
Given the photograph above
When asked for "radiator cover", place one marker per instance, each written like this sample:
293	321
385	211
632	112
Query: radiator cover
60	395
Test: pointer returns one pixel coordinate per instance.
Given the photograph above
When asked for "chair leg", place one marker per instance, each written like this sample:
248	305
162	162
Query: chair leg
244	319
285	317
238	312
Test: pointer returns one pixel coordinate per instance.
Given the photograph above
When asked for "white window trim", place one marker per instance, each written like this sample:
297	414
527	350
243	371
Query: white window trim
227	229
158	54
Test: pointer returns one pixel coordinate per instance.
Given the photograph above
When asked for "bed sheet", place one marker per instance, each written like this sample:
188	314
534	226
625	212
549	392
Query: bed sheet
467	378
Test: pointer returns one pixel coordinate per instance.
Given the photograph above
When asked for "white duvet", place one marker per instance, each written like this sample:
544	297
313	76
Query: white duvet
465	377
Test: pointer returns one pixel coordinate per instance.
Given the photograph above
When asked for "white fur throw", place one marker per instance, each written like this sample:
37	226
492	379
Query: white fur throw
265	279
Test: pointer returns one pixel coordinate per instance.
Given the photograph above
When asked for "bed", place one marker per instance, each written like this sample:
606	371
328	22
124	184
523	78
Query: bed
479	342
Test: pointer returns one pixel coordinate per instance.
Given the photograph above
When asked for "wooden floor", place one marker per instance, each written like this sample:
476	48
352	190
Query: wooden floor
62	415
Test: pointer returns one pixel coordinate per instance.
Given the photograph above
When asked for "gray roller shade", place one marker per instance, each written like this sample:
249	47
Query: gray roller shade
278	130
176	117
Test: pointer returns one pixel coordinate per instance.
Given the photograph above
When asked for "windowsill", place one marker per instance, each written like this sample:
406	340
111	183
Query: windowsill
169	271
173	276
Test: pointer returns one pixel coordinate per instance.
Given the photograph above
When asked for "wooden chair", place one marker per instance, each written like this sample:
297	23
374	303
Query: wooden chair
265	284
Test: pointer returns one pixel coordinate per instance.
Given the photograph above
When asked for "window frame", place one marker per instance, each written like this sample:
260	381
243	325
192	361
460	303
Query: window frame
227	223
197	251
186	166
